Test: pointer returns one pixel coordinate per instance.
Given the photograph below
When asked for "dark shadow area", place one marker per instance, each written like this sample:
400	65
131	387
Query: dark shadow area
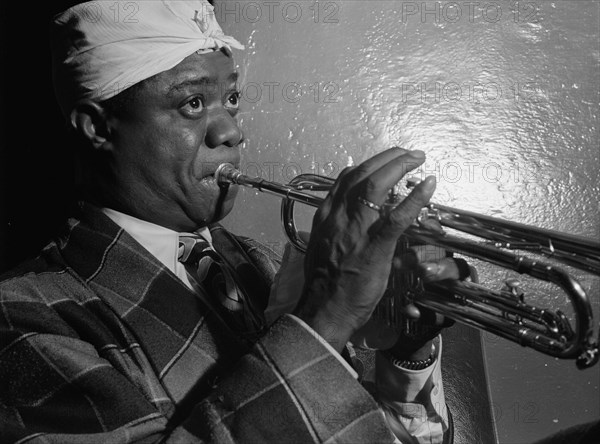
36	189
36	167
587	433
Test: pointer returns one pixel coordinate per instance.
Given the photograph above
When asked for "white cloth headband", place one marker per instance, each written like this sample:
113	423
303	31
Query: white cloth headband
100	48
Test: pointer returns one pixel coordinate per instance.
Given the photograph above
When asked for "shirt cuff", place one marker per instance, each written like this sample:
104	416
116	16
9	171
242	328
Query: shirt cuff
413	400
326	344
405	385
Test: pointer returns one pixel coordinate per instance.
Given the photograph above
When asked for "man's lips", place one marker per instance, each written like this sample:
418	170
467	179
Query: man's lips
211	180
210	173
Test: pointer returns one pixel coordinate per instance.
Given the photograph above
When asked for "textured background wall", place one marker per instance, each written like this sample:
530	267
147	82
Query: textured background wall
502	96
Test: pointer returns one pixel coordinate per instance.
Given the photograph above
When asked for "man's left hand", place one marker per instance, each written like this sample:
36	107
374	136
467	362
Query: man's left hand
426	324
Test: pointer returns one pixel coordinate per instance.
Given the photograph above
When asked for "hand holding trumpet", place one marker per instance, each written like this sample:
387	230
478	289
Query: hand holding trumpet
352	246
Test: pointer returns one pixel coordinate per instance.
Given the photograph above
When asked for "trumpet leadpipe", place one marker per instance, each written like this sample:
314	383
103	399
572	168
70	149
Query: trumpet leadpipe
226	173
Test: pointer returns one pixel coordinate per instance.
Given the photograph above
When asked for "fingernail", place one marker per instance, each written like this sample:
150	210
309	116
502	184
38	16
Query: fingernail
429	183
417	153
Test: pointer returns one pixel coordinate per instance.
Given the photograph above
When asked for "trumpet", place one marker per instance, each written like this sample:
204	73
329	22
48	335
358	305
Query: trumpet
501	312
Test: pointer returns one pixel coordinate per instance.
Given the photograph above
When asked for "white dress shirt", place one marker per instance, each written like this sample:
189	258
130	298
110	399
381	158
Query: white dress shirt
396	388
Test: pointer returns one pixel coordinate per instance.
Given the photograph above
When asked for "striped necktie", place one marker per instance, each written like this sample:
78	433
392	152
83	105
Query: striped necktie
217	279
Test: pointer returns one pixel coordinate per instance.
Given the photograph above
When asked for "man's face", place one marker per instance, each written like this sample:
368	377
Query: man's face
169	140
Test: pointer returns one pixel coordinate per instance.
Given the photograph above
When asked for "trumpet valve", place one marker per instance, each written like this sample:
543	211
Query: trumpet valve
512	287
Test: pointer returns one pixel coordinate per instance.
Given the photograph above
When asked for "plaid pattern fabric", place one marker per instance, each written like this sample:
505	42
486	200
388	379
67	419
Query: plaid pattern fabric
99	343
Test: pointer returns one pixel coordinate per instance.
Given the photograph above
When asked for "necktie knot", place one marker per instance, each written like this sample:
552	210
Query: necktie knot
192	248
217	279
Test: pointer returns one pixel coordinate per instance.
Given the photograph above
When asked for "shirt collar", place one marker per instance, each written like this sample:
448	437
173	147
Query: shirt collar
161	242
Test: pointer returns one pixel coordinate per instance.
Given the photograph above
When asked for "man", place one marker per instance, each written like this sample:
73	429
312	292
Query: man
109	335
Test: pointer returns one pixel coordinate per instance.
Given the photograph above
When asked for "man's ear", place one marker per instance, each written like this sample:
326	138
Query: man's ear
89	119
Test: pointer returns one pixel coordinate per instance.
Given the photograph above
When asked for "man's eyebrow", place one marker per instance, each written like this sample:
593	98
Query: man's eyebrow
198	82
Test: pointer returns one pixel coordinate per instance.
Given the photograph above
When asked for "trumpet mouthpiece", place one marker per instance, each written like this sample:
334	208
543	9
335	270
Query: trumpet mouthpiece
226	174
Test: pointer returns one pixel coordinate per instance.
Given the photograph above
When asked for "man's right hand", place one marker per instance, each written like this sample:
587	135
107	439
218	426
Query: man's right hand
351	247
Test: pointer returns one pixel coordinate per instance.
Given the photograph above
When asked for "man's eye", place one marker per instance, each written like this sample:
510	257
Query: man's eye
194	105
233	100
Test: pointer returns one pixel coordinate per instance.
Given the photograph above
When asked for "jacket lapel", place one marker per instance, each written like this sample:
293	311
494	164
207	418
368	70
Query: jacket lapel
185	343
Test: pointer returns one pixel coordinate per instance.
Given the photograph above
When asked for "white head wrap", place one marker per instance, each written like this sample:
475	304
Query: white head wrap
100	48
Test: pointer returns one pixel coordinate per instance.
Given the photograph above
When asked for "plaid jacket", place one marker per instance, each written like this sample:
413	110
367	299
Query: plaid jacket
99	343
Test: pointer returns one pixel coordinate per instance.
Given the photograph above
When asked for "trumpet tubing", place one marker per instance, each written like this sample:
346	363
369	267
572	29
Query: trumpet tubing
501	312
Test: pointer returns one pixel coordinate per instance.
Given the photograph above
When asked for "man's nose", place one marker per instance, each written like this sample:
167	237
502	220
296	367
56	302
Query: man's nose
222	129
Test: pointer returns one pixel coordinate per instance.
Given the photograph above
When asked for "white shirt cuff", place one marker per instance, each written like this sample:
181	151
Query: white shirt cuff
413	398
